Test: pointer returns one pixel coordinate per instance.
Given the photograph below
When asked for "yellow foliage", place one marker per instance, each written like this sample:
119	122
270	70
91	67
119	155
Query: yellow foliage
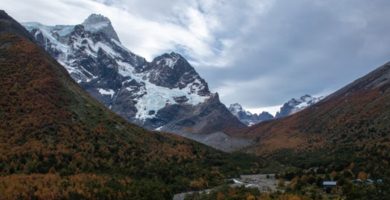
250	197
294	182
199	183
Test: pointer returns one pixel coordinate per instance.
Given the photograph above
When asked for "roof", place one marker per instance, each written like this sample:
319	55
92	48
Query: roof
329	183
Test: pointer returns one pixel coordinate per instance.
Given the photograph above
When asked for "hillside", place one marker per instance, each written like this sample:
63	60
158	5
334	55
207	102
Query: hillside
351	125
344	137
57	142
357	111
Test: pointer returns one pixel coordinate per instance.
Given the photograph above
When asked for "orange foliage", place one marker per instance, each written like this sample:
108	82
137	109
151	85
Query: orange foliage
362	175
291	197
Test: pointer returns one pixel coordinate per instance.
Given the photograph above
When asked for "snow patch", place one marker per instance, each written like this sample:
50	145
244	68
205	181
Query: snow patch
159	128
106	92
169	62
153	97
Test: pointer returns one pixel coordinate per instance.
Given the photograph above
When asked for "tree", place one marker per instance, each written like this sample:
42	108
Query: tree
362	175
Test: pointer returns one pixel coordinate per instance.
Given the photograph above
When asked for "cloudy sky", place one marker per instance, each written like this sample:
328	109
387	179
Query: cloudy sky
259	53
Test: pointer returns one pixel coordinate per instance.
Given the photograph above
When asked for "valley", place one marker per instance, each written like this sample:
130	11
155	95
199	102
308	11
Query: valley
84	117
54	133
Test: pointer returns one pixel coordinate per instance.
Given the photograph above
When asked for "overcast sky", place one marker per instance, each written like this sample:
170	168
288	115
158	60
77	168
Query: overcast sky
259	53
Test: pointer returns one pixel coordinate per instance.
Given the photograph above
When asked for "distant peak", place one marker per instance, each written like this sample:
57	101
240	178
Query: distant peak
236	107
174	54
306	97
169	59
99	23
265	113
303	98
297	104
171	55
247	117
96	18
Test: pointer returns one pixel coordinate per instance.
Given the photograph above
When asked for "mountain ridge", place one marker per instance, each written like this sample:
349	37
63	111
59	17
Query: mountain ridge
145	93
247	117
297	104
292	106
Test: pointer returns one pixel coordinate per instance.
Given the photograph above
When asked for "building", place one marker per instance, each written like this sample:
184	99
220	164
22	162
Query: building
329	185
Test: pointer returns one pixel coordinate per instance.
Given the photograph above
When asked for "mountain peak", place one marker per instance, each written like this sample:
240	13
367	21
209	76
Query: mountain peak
297	104
99	23
235	108
247	117
173	70
174	54
96	18
169	59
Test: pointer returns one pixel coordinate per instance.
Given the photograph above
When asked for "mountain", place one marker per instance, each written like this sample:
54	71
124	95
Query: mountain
296	104
57	142
166	94
351	125
247	117
292	106
99	23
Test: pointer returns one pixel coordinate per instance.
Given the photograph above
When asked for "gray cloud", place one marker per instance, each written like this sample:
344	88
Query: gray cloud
256	52
304	46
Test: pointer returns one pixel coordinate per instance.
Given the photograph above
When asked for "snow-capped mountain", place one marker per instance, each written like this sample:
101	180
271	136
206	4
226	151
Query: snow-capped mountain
297	104
165	94
247	117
